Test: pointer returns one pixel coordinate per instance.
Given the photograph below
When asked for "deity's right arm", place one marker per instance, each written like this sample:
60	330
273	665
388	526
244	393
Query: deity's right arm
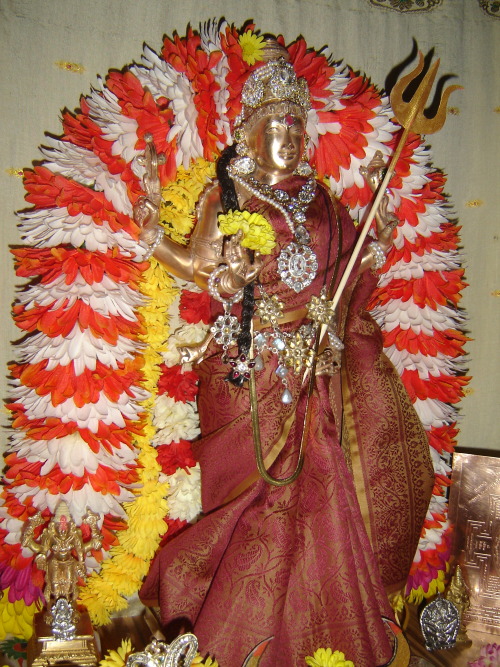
28	538
196	261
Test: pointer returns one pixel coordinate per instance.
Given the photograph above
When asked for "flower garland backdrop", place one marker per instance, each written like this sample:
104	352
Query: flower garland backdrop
102	412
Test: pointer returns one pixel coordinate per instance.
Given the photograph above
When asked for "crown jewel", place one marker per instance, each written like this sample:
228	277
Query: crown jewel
275	81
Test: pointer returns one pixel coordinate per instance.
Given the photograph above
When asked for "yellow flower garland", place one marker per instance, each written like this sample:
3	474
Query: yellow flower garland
16	618
121	575
258	233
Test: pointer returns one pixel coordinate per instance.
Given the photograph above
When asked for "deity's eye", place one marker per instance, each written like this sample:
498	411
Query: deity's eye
272	127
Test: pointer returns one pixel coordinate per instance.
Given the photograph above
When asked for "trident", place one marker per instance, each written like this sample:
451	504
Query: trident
409	115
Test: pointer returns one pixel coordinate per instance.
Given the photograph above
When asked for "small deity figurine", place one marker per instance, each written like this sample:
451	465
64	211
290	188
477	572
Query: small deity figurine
458	595
61	553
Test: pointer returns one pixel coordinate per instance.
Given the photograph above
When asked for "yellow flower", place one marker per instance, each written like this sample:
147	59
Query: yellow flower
179	198
208	662
16	618
325	657
397	602
118	658
251	47
258	233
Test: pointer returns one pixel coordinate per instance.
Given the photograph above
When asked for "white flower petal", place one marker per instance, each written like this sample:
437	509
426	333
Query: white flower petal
184	494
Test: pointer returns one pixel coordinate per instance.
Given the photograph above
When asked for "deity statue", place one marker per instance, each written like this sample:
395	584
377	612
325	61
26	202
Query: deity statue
457	594
304	529
61	553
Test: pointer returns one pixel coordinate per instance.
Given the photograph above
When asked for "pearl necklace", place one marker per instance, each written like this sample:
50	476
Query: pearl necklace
297	263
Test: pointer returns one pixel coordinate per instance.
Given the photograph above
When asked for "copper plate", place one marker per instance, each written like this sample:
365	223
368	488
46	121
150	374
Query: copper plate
474	511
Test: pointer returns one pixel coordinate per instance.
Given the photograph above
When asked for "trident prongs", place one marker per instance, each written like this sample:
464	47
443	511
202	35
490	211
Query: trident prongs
411	114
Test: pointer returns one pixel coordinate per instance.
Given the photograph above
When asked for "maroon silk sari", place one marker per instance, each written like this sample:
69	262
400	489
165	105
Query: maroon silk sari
295	562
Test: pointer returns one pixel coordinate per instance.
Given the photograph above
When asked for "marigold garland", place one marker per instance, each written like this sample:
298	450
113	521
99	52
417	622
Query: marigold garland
16	618
129	561
257	233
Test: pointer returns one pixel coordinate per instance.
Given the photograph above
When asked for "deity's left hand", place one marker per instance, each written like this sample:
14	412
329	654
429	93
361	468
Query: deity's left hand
386	221
242	269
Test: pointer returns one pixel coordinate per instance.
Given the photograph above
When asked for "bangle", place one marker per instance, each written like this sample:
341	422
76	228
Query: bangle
378	255
154	245
214	286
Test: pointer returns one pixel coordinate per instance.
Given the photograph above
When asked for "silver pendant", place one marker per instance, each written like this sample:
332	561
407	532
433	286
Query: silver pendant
226	330
297	266
439	622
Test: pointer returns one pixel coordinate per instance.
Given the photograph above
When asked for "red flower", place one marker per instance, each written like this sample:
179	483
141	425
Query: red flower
178	384
172	527
49	263
152	117
313	67
187	56
46	190
239	70
443	387
435	288
61	321
62	382
449	341
194	307
174	456
443	438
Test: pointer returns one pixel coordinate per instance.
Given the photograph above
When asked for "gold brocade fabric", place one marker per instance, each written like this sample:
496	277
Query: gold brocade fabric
388	450
292	562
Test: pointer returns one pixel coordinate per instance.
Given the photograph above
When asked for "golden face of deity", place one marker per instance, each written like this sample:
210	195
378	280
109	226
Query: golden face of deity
276	143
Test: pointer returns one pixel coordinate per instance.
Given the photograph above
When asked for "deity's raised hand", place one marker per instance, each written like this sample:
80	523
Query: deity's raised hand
386	221
146	209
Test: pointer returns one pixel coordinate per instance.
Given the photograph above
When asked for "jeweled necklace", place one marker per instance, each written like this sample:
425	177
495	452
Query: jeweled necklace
297	263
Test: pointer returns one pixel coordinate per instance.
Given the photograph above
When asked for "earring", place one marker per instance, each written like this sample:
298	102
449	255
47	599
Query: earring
243	165
304	168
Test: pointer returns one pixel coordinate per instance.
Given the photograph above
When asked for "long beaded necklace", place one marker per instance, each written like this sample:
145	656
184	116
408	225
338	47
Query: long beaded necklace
297	263
294	274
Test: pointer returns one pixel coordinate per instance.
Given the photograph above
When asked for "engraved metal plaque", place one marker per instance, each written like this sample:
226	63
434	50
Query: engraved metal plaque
474	511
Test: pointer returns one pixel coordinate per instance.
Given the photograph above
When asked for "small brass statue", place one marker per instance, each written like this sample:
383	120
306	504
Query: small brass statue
62	635
457	593
61	553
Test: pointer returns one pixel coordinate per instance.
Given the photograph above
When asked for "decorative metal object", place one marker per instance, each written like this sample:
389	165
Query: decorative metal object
46	648
63	626
62	634
297	266
457	593
475	514
439	622
161	654
60	552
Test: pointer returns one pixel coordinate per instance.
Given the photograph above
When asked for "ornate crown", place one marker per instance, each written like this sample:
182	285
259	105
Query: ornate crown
274	82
